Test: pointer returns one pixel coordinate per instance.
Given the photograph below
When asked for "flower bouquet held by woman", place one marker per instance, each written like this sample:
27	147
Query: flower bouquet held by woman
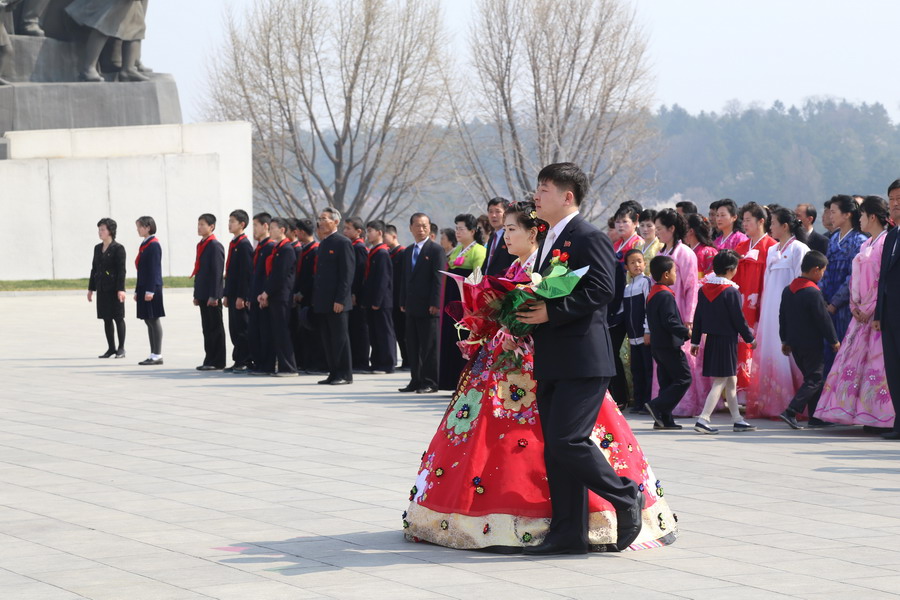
482	483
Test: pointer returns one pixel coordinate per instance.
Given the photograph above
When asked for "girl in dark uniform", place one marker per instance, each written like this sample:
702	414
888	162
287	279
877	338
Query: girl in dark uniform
148	290
108	281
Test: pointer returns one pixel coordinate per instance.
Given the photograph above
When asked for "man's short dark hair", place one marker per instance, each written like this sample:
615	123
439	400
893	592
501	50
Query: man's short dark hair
208	218
263	218
813	259
631	252
810	211
660	265
356	223
241	217
418	215
281	222
725	261
434	228
503	202
566	176
377	225
895	185
687	207
390	228
305	225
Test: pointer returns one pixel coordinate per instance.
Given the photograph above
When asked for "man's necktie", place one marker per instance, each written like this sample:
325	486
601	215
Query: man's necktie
415	255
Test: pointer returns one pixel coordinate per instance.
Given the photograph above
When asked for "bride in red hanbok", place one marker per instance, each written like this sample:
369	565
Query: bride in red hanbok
482	483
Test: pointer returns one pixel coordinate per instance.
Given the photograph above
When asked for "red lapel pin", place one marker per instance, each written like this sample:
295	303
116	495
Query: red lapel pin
566	244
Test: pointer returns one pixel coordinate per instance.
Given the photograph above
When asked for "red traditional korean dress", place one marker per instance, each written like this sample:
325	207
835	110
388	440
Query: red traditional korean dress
750	280
482	483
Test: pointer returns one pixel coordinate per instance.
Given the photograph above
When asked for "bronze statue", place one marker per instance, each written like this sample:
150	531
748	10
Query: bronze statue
122	19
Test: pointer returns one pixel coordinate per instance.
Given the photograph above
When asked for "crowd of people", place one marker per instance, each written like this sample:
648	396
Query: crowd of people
342	296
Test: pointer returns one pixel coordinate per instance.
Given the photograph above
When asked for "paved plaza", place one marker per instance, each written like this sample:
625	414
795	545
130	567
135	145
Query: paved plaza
127	482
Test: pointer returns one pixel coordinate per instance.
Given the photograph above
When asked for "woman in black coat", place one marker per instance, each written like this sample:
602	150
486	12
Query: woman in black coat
108	281
148	292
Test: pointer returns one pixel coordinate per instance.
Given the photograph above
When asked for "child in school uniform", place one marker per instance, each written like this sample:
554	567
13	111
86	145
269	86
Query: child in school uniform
804	323
666	336
719	317
635	306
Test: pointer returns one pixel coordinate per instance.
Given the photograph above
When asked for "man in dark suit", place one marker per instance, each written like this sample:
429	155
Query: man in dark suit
573	364
421	298
278	297
238	270
887	310
359	328
332	296
310	355
260	331
815	240
498	257
378	300
396	252
209	265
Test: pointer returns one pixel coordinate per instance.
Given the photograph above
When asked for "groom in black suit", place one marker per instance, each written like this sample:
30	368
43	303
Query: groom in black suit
573	364
887	310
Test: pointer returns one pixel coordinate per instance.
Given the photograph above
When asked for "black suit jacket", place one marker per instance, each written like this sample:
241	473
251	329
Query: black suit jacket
306	272
817	241
240	269
108	269
497	264
258	279
333	279
359	273
575	342
421	286
208	283
378	286
280	280
397	265
667	330
889	279
803	320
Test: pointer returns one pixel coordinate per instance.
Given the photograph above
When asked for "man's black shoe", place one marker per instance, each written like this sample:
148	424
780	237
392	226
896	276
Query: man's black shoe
207	368
549	547
815	423
326	381
654	414
791	419
406	389
341	382
427	390
628	523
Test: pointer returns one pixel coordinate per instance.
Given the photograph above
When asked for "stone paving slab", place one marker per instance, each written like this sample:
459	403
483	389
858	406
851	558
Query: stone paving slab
120	481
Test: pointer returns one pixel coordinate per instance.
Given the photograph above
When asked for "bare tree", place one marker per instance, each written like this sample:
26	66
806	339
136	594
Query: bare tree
344	99
557	80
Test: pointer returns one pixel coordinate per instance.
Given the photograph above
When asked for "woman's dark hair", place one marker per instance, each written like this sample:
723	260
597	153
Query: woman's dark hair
485	224
787	217
876	207
669	218
732	207
110	225
725	261
451	235
758	212
847	205
470	223
147	222
632	204
526	217
648	214
700	227
611	223
627	210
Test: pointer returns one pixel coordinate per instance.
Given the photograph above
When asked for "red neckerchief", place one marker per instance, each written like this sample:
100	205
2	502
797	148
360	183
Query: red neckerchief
657	288
295	244
371	254
396	250
712	290
271	257
358	241
144	244
801	283
309	248
201	246
232	245
259	247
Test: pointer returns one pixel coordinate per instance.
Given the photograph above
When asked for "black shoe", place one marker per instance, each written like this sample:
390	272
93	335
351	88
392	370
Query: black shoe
240	369
655	415
151	361
550	547
340	382
791	419
207	368
326	381
408	388
120	353
701	427
743	426
259	373
427	390
228	370
108	354
815	423
285	374
891	435
628	523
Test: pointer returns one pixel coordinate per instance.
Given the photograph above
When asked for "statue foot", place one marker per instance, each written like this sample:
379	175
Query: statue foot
90	75
142	68
132	75
33	29
4	82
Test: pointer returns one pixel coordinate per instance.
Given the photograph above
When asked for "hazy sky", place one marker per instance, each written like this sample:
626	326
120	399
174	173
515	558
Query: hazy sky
703	52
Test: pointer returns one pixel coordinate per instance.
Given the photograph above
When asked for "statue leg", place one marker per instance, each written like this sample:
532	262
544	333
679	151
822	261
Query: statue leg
140	64
92	49
32	11
130	53
6	54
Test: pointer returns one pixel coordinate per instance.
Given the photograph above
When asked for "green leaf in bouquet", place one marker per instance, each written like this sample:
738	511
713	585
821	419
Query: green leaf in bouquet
557	287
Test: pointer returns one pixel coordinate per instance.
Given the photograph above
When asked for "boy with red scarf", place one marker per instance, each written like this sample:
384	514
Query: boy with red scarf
378	300
238	268
209	266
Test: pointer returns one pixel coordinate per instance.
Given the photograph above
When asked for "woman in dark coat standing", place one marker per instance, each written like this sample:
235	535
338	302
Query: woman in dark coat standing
148	292
108	281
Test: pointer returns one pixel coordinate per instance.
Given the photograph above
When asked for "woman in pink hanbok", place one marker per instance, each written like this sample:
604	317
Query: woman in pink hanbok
728	225
775	378
670	229
856	391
